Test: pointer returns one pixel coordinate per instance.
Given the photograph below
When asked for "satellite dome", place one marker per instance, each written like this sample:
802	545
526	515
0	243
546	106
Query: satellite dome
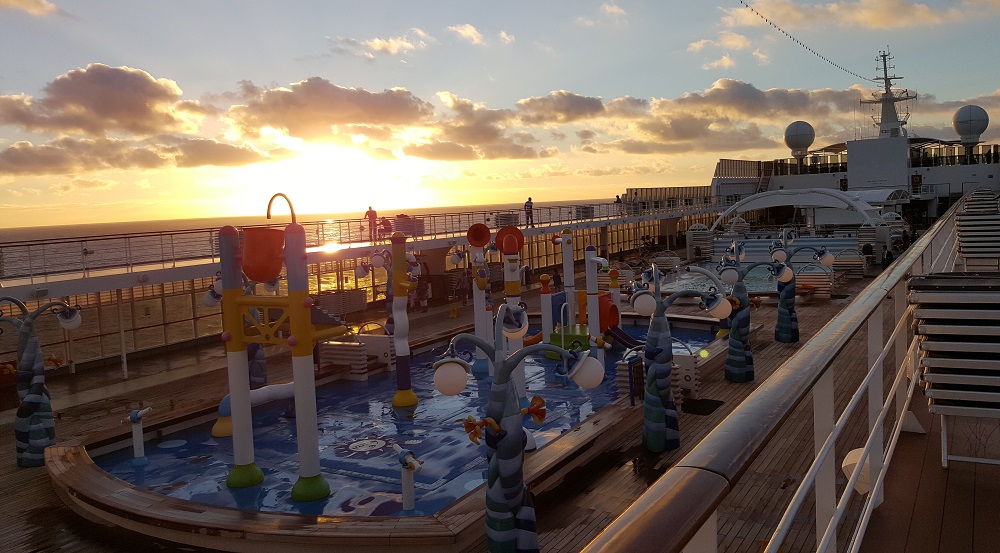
969	122
799	136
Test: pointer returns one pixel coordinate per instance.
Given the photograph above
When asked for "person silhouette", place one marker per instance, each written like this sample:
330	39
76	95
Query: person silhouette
372	217
529	218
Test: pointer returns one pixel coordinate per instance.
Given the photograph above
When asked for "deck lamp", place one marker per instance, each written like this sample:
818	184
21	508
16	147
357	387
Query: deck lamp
785	273
515	323
643	302
717	305
34	425
505	436
451	372
730	274
211	297
69	317
661	427
778	252
824	257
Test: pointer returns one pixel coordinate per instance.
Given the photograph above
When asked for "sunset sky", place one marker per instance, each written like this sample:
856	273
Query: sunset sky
116	111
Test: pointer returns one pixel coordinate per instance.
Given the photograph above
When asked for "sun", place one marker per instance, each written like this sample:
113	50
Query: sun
322	178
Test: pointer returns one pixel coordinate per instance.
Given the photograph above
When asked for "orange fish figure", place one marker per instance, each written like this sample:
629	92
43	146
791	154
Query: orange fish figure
756	301
474	428
536	409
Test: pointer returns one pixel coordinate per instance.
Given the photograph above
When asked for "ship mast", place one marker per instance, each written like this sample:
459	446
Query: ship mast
889	123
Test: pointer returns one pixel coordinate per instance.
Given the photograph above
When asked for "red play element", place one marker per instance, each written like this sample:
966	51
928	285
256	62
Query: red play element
478	235
509	247
608	311
263	253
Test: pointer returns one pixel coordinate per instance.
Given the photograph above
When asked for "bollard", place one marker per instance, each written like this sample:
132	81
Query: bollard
408	465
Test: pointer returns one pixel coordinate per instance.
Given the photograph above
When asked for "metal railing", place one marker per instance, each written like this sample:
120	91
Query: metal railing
687	498
37	261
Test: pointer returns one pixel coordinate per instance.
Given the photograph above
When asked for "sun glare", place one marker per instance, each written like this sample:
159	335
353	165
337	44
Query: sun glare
334	179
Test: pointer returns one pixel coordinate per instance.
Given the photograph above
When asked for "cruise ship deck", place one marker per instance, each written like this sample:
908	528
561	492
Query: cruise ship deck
738	466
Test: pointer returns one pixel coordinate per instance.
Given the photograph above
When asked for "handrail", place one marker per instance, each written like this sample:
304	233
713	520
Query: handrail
37	259
688	494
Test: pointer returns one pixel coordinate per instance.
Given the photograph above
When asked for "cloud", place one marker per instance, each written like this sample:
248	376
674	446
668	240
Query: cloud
486	131
416	39
725	62
627	107
201	152
733	41
613	10
699	45
762	58
31	7
81	184
610	14
312	108
100	100
442	151
468	33
737	99
507	39
559	106
67	156
868	14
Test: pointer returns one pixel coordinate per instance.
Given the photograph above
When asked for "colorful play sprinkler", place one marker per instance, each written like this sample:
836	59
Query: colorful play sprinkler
739	361
509	241
285	321
482	302
398	265
660	428
510	514
34	427
787	328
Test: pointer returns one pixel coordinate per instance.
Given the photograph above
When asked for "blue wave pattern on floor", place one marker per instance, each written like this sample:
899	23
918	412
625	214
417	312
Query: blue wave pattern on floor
358	427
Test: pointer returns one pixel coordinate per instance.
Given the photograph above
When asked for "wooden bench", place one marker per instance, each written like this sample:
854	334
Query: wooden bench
958	327
851	263
814	283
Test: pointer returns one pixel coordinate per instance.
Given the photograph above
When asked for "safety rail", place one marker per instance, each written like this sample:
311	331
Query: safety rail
687	498
38	261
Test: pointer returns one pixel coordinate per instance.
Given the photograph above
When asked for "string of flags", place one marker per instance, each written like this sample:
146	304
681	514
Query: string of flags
800	43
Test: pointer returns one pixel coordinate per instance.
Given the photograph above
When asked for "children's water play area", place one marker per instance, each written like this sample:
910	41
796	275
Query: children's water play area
359	429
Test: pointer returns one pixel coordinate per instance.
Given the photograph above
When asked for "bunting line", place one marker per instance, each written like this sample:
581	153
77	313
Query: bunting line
800	43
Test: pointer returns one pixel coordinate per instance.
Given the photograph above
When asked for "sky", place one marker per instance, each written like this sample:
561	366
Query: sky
138	110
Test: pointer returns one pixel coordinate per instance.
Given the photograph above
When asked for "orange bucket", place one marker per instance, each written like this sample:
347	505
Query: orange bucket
263	253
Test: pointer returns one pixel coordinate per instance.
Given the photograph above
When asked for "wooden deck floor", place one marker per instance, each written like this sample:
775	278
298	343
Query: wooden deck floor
570	515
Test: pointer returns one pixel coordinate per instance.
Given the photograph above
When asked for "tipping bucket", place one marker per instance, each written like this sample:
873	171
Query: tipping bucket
263	252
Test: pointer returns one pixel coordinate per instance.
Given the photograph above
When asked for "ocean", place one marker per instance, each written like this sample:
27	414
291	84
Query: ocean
279	215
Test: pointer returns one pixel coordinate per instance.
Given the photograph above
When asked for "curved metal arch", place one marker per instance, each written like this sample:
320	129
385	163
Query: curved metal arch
833	198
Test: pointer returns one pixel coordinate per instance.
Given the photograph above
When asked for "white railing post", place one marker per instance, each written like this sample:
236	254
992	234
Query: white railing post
875	391
826	477
707	538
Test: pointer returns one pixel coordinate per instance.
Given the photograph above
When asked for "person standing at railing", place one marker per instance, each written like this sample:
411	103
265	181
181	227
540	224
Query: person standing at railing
529	217
618	203
372	217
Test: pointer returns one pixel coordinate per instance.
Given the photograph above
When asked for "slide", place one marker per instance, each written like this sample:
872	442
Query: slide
622	337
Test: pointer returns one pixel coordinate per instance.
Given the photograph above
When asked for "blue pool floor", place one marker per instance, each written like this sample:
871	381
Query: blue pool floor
357	429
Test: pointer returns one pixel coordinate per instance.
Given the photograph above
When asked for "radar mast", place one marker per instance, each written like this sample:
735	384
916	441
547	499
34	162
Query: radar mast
889	123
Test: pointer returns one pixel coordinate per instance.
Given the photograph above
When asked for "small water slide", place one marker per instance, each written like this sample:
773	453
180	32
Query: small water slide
622	337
